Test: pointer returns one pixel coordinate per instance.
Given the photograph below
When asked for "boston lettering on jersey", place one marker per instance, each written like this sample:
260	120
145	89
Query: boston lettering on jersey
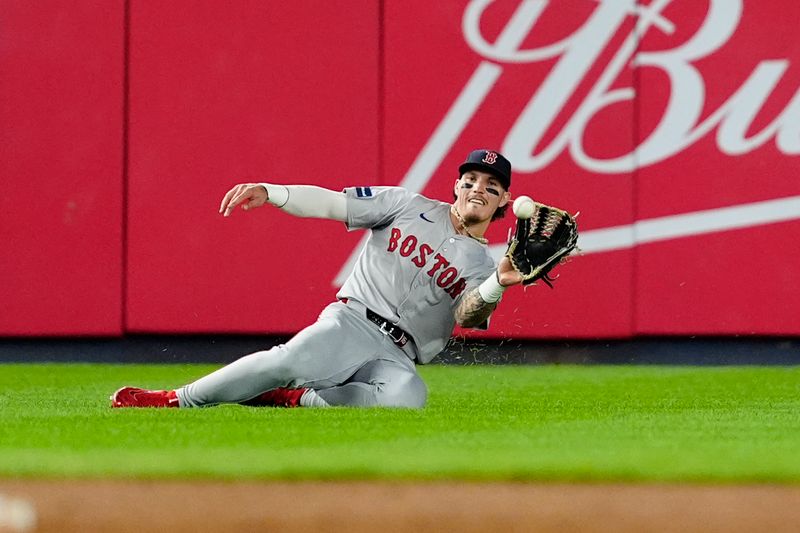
444	274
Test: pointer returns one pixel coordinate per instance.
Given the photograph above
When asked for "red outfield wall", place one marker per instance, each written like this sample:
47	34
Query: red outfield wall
675	131
61	159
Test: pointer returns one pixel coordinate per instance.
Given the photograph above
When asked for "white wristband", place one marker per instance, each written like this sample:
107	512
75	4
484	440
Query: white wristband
490	290
278	194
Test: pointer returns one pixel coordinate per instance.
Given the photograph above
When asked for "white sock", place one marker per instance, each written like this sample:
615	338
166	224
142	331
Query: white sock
181	394
311	399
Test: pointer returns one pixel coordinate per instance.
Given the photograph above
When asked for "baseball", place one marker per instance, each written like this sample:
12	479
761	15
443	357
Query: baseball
523	207
16	514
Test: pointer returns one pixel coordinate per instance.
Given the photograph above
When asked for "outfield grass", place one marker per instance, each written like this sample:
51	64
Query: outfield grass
569	423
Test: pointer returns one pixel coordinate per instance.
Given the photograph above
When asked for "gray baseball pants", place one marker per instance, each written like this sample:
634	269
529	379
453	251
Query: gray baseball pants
343	357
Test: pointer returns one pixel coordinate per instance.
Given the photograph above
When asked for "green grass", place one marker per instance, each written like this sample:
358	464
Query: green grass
568	423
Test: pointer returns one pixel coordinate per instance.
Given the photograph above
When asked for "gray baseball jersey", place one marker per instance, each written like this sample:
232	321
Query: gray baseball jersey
415	268
413	271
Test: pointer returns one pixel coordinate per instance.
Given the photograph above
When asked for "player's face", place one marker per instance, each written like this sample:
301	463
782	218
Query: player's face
478	195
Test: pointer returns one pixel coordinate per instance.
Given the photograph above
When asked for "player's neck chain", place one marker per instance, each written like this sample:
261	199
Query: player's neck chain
464	226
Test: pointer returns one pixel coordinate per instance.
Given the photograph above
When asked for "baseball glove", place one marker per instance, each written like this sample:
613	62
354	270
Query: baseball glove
542	242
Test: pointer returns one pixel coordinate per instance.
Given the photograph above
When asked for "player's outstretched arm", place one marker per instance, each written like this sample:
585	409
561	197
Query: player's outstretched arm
473	310
477	304
298	200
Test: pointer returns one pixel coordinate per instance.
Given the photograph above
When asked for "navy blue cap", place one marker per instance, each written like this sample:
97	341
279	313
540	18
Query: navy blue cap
490	161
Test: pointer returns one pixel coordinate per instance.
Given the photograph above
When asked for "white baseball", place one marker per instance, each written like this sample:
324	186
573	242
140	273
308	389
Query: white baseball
523	207
16	515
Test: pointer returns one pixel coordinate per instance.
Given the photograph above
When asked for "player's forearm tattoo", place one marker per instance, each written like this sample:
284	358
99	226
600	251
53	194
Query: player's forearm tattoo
473	310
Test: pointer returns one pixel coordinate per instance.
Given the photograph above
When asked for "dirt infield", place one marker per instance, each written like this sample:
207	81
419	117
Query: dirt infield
121	506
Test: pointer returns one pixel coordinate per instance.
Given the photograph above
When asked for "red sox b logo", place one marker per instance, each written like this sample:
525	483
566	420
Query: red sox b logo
490	158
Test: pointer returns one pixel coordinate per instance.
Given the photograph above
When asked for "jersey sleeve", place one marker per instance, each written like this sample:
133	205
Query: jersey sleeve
374	207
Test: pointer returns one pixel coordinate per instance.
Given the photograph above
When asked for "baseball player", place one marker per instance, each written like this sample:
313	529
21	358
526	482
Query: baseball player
424	268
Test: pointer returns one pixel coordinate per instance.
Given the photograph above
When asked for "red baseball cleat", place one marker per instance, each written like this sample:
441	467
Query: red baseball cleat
280	397
133	397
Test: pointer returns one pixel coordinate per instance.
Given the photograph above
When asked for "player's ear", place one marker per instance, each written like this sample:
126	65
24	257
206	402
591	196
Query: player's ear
504	198
455	186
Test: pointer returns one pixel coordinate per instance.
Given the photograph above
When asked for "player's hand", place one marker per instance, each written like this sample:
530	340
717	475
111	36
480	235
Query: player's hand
249	195
506	273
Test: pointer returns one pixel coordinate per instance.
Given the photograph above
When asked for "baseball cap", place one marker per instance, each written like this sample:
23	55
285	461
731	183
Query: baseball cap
490	161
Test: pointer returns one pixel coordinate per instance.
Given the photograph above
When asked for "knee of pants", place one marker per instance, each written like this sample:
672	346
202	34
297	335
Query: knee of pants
404	391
